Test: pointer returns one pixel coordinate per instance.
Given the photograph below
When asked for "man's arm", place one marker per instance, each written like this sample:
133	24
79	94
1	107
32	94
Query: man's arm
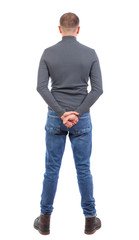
96	87
42	87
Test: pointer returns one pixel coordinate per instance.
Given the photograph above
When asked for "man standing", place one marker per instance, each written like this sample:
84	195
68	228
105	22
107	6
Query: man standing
69	64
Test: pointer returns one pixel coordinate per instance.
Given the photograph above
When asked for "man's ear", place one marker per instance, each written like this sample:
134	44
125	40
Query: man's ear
78	29
59	29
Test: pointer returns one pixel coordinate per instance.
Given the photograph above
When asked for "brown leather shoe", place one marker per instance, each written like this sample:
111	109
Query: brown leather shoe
92	224
42	224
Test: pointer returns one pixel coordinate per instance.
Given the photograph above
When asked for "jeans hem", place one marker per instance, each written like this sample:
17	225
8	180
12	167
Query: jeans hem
89	215
45	213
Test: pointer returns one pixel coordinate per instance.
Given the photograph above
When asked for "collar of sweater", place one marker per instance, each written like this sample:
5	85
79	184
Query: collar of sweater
69	37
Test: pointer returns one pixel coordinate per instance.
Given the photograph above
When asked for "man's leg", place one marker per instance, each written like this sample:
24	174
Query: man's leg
55	145
81	143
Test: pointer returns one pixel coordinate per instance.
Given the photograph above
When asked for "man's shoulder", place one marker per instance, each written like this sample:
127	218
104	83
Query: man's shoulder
49	48
87	51
88	48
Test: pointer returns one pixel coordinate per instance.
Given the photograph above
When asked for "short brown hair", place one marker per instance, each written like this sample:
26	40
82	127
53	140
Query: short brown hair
69	22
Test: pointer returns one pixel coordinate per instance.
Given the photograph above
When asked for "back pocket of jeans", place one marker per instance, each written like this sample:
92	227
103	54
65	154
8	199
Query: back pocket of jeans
52	124
83	125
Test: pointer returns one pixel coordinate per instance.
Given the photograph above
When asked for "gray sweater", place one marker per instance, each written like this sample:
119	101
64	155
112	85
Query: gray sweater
69	64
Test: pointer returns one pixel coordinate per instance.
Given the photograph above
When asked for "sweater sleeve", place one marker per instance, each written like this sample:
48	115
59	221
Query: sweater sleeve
42	86
96	87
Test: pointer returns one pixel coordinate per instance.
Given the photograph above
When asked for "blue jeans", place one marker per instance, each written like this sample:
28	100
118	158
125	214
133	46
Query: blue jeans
80	136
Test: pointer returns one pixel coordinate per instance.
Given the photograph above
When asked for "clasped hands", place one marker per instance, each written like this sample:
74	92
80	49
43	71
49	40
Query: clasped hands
70	118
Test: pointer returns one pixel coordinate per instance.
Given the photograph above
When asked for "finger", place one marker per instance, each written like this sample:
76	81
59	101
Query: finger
72	117
70	112
65	119
69	124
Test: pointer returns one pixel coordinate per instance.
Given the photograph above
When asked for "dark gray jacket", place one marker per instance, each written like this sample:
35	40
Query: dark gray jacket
69	64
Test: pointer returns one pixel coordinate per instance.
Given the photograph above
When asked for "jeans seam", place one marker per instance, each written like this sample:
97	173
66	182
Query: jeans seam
53	116
84	117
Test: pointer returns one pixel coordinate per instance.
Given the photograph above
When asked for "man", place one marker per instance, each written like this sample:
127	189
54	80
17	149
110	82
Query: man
69	64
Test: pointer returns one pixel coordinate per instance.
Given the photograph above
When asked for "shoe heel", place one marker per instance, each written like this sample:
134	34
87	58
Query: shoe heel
44	233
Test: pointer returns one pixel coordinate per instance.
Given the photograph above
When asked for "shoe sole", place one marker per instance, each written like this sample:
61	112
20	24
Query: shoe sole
43	233
92	231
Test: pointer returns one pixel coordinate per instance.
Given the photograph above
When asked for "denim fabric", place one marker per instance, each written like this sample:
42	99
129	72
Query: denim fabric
80	136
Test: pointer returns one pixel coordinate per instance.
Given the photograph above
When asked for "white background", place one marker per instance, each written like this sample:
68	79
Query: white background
111	28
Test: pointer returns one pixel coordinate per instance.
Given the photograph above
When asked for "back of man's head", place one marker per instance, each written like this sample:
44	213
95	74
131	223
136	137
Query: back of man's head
69	22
